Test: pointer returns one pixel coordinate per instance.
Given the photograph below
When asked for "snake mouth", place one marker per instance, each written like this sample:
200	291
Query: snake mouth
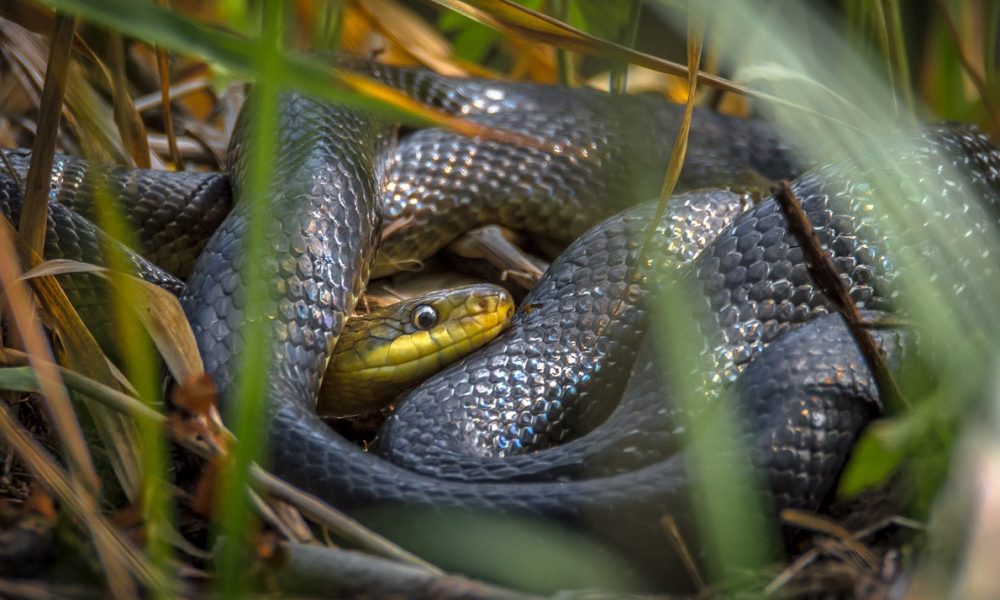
391	350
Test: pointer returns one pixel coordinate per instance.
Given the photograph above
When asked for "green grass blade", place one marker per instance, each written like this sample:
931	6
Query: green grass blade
235	510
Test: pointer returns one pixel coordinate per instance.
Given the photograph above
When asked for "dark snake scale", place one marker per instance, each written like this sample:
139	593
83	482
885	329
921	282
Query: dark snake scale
532	424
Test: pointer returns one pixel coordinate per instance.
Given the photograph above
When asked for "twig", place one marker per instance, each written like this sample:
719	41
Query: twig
824	273
163	66
669	525
810	556
817	523
492	244
341	524
323	570
190	147
175	91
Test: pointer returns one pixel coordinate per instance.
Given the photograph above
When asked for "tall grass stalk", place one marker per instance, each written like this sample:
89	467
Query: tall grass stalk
235	519
141	367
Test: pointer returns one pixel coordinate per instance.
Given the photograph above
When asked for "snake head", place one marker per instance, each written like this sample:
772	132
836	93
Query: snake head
384	353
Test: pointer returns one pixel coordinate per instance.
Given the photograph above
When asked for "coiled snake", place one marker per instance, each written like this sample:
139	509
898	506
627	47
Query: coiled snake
462	439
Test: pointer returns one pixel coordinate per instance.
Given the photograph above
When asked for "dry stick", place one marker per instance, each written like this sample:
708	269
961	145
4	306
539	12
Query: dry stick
669	525
163	66
345	526
313	569
190	147
824	273
34	211
963	57
175	91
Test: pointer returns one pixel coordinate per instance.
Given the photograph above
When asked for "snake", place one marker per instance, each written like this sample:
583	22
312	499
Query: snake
577	336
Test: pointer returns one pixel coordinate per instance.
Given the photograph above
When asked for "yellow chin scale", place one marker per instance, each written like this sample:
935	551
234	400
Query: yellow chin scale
388	351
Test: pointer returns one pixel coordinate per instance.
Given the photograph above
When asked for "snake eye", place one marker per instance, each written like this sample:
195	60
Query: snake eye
424	317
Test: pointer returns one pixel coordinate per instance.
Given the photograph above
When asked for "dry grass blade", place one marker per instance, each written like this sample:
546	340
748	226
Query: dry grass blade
22	310
163	66
17	379
518	20
158	310
696	32
161	314
130	125
9	169
410	33
514	19
36	195
380	91
80	351
813	522
174	92
824	273
695	38
669	525
786	575
119	558
23	379
85	111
